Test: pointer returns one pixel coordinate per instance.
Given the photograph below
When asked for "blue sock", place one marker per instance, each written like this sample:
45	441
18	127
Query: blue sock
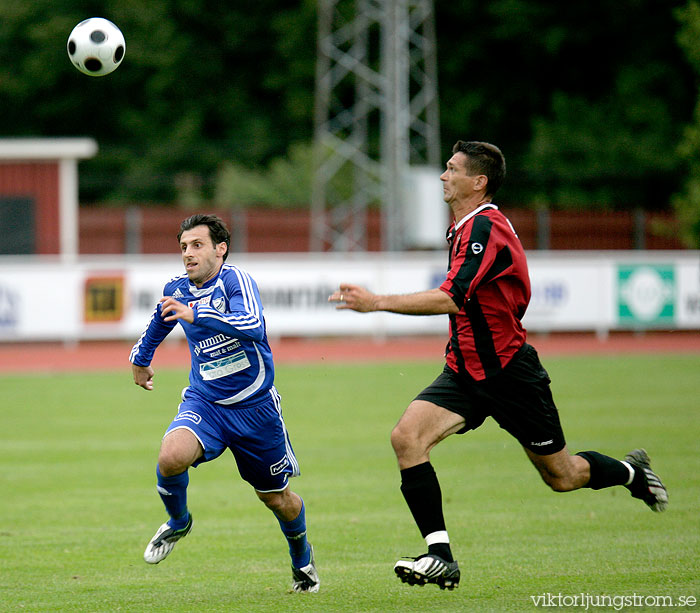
295	532
173	493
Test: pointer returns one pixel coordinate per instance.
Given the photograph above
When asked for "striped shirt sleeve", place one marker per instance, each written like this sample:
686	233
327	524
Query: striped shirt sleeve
242	316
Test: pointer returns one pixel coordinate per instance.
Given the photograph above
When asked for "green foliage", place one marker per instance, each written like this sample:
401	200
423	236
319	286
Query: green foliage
201	82
584	100
79	502
285	182
591	152
687	202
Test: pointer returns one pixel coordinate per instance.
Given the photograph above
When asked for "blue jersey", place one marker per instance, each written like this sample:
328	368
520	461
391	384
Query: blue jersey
231	358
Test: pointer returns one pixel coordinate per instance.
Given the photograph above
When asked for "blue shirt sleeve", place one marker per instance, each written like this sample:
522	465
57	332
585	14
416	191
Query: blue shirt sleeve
156	331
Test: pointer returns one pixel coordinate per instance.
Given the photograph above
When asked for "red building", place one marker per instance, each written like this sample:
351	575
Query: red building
39	194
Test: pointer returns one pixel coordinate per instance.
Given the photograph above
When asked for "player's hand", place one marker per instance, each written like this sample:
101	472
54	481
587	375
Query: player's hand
143	376
171	309
354	297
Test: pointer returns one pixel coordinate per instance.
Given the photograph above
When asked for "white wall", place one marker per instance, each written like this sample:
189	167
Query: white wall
113	297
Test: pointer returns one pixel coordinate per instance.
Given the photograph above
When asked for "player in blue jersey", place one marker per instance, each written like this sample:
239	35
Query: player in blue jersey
231	402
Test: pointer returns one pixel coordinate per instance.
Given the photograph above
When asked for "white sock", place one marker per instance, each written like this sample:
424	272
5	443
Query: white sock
631	469
437	537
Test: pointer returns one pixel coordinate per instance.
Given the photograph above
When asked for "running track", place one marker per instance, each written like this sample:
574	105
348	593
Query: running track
90	356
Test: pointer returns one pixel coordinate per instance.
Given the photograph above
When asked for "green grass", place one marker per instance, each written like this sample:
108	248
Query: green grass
78	504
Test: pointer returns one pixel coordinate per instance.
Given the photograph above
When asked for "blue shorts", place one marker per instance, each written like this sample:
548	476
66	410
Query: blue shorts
256	436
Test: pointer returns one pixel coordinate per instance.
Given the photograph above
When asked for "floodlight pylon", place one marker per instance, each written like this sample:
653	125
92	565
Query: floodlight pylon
376	115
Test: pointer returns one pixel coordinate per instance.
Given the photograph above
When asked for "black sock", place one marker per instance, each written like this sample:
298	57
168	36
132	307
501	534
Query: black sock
605	471
638	487
421	490
442	550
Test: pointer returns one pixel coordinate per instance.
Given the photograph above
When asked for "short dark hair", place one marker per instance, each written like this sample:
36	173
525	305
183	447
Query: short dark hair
217	229
484	159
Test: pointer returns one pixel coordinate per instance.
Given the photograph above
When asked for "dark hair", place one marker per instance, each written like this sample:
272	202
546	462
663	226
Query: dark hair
217	229
484	159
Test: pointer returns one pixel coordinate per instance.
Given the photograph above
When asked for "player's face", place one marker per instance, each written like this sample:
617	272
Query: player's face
457	184
202	258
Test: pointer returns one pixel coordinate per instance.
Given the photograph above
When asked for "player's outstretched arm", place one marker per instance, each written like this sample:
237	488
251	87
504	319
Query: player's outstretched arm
358	298
354	297
143	376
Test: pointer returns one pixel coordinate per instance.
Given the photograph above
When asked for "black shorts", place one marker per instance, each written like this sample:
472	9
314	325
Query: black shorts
518	398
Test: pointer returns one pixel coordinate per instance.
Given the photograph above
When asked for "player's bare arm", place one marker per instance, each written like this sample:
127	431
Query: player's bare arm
143	376
171	309
358	298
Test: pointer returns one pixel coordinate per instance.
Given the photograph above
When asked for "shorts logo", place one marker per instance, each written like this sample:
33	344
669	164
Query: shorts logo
190	416
477	248
543	443
280	466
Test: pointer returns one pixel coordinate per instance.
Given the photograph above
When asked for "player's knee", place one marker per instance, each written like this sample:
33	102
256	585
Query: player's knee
559	483
272	500
400	440
285	505
170	463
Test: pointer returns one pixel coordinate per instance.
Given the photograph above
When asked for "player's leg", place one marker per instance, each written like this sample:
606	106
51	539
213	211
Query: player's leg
422	426
260	443
180	448
288	507
564	472
523	405
193	437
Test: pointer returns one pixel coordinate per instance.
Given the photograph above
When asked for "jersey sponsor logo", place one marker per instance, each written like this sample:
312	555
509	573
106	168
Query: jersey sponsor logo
279	467
477	248
204	300
224	367
212	340
190	416
216	345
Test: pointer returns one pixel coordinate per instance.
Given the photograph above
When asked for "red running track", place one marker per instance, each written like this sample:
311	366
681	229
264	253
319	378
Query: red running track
88	356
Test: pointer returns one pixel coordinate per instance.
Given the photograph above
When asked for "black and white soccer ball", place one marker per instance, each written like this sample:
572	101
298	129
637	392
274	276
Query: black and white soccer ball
96	46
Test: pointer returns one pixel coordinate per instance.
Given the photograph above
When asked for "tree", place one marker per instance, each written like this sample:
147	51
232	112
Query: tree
202	82
583	97
687	203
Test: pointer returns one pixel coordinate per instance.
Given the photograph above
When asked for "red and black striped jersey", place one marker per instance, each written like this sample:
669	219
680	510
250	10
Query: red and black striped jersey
488	280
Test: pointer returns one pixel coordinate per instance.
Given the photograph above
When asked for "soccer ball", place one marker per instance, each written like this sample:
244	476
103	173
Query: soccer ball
96	47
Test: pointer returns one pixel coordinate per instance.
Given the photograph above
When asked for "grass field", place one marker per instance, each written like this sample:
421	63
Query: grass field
78	502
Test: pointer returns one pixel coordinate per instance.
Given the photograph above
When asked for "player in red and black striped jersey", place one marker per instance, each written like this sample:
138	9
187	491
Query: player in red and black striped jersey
489	282
490	370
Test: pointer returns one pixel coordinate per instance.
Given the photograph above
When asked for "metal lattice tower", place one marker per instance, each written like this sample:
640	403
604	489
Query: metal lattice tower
376	116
